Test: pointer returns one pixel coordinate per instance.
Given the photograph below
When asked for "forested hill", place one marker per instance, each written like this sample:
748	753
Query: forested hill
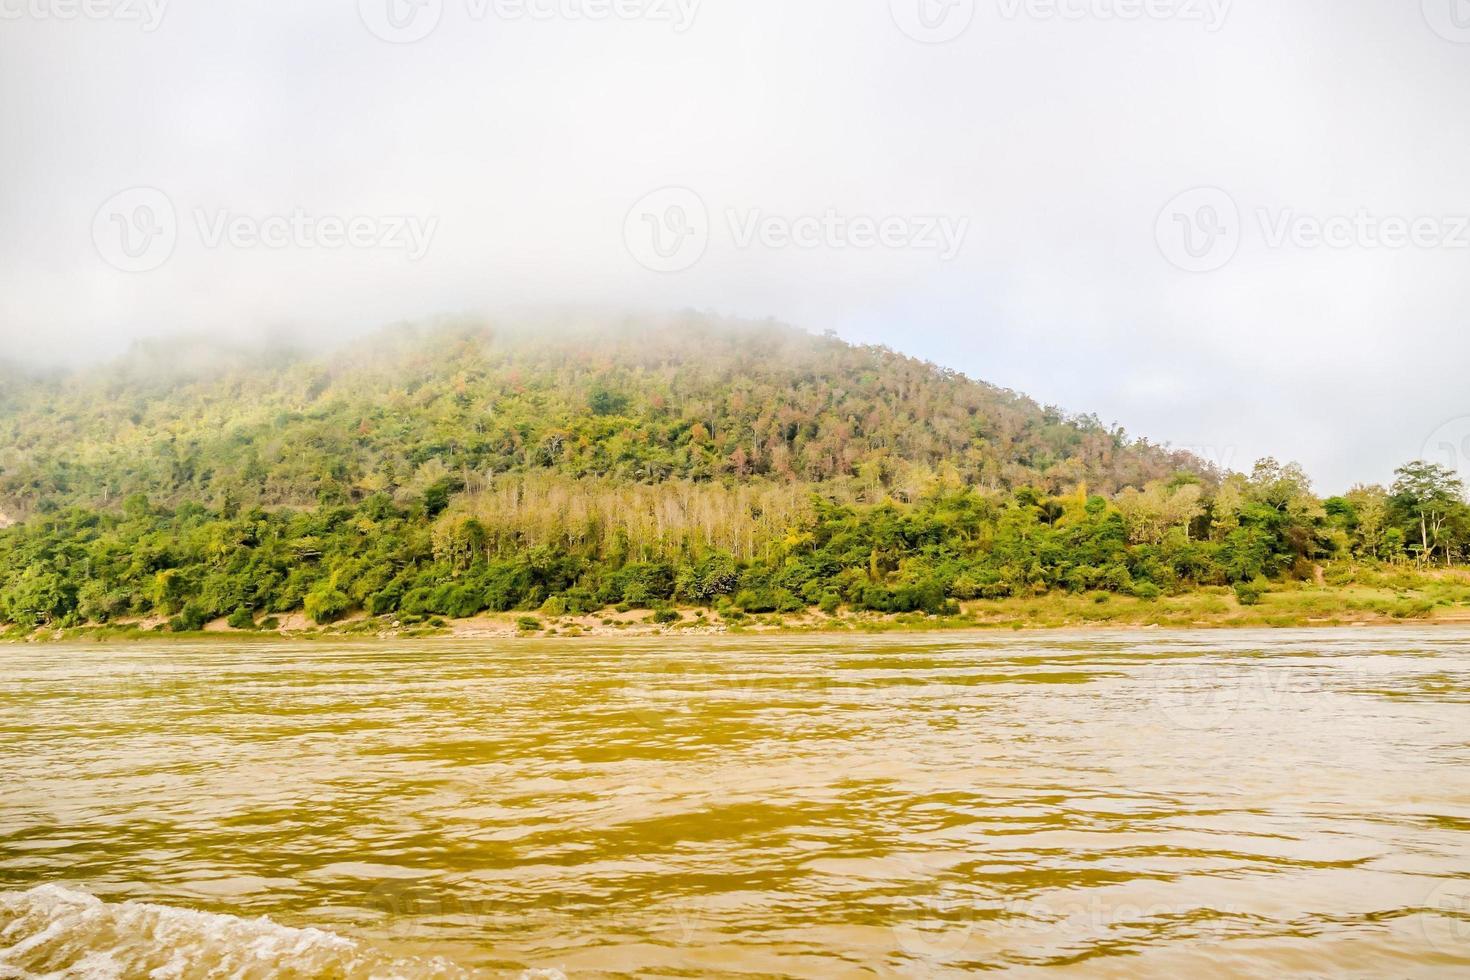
451	406
564	469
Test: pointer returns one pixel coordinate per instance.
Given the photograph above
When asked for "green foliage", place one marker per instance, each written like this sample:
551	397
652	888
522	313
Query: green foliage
415	416
194	564
708	578
1429	502
755	601
327	604
755	469
1146	591
190	619
604	402
1250	593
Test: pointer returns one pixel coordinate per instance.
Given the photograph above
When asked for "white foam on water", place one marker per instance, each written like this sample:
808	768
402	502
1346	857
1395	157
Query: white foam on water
56	933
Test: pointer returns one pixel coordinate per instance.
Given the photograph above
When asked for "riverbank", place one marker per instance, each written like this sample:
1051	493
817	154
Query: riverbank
1430	601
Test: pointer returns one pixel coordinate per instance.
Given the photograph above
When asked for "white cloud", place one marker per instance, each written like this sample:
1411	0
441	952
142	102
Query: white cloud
1058	138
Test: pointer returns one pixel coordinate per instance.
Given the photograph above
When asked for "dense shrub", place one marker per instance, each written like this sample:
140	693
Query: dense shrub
191	618
1249	593
327	605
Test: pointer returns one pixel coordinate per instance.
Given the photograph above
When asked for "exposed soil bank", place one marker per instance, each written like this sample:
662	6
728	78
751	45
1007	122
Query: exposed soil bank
1288	606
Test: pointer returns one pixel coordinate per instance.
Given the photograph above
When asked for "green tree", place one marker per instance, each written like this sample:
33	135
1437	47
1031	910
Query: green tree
1427	496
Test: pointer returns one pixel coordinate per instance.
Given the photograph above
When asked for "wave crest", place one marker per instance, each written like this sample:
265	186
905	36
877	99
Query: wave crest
55	932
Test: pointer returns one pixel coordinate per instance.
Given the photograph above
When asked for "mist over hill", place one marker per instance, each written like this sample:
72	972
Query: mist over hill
566	465
638	400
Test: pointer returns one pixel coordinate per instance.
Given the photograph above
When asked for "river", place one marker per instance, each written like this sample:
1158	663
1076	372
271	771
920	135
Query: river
1113	804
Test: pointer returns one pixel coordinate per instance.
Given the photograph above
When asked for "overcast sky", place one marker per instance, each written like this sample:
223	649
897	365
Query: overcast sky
1238	227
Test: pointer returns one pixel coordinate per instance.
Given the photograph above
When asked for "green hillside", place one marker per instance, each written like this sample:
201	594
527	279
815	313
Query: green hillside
459	468
686	398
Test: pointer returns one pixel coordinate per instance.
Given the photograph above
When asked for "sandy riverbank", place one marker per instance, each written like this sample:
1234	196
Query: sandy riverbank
1294	606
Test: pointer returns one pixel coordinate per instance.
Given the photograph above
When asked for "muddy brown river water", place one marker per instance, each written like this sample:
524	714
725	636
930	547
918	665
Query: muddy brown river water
1119	804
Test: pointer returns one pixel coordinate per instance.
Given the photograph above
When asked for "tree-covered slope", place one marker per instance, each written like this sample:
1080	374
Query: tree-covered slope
567	468
638	401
